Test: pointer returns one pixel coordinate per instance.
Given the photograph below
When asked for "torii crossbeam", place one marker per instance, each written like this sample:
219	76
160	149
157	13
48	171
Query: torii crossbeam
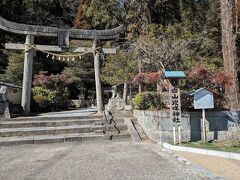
63	36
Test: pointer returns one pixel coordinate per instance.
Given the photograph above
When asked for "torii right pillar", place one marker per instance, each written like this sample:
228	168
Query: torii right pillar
99	91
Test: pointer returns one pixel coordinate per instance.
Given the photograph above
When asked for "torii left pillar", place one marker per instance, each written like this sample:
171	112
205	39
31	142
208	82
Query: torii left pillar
99	91
27	75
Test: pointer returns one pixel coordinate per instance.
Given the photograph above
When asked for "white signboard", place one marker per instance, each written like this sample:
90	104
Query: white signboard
203	99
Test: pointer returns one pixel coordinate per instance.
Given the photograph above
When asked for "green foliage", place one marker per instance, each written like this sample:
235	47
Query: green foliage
186	101
80	76
50	95
155	25
11	9
105	14
51	88
43	103
81	20
231	145
48	99
3	61
119	68
148	101
14	70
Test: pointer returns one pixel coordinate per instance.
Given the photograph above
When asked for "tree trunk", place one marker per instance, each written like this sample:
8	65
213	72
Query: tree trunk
140	71
229	52
125	92
140	88
159	87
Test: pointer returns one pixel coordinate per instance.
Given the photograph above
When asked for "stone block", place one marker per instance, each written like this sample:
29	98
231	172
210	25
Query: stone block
116	104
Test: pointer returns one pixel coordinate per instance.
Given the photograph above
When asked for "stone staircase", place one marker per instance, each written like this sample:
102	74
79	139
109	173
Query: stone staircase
40	130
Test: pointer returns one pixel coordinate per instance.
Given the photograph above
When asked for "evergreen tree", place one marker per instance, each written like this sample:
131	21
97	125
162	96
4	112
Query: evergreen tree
81	20
80	76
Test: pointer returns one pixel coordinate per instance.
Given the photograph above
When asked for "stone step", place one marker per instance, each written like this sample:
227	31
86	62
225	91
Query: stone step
48	123
7	132
44	139
42	118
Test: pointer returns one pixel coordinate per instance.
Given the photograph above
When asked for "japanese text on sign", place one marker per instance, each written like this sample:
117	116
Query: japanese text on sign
175	106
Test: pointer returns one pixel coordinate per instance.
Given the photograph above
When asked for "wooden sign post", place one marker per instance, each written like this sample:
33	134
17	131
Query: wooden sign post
175	102
203	99
175	112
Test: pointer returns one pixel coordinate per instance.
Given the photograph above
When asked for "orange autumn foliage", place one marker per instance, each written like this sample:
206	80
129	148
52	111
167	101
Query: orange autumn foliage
81	20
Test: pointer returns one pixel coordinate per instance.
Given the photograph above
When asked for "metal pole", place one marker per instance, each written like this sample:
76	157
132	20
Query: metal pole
99	92
27	75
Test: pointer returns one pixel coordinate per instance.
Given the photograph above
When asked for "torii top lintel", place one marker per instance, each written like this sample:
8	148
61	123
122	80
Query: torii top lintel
18	28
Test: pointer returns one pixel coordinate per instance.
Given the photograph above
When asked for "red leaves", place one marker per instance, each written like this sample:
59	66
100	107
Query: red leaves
201	71
223	79
146	78
44	80
202	76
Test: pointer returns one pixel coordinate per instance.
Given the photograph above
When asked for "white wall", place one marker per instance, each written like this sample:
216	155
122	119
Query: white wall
14	95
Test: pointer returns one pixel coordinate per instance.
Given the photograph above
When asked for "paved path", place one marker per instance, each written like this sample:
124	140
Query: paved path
93	161
73	113
226	168
80	112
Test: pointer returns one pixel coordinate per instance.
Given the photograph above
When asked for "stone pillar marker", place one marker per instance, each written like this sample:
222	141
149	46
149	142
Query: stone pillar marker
27	75
99	91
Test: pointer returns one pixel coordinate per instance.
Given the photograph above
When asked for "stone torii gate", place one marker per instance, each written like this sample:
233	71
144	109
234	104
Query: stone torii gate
63	36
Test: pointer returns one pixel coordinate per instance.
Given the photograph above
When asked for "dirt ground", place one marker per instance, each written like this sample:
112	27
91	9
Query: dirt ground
222	167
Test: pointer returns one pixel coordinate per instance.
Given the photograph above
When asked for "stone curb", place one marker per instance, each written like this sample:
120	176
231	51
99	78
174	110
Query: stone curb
132	130
228	155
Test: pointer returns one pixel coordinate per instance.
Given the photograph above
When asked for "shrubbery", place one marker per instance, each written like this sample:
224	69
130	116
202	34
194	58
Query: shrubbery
50	92
43	103
148	101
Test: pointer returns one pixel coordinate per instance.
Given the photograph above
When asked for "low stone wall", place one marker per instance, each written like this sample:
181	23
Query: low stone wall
219	125
157	125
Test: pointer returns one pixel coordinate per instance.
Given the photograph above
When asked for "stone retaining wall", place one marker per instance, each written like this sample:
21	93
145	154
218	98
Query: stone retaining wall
220	125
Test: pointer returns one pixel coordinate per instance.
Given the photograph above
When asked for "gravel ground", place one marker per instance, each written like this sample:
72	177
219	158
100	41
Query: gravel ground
226	168
90	161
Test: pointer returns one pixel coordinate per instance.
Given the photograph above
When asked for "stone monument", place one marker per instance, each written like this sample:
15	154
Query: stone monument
116	103
4	104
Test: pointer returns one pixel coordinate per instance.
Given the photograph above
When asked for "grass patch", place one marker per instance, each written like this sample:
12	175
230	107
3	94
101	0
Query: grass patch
215	145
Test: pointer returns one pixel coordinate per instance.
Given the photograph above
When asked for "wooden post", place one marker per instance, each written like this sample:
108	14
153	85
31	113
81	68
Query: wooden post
203	125
179	135
27	75
125	92
99	92
174	135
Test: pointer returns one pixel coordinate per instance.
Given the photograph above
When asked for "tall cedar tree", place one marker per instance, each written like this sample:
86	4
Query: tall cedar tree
81	20
229	52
